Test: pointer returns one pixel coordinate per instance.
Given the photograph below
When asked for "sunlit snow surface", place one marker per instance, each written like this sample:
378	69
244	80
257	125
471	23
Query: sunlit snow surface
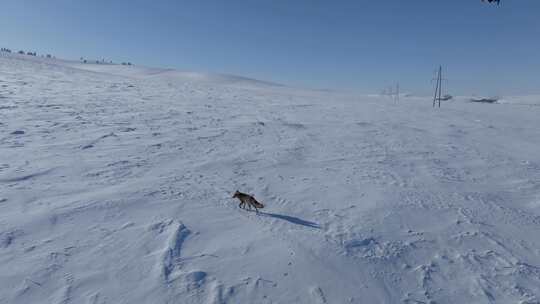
116	185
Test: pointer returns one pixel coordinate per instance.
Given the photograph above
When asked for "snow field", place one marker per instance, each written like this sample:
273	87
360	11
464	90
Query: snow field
116	185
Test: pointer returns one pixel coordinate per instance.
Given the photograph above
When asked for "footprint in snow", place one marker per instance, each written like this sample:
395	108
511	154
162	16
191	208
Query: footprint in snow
318	296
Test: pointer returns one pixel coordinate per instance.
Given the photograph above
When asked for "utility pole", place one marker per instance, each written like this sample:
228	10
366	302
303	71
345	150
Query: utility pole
397	92
438	88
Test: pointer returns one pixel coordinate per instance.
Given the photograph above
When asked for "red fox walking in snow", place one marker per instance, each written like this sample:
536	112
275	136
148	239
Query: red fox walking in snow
246	199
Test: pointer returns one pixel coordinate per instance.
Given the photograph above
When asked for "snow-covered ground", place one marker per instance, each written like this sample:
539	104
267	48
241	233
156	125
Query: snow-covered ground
116	185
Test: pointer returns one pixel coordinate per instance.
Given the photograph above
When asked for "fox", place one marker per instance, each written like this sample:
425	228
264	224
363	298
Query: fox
246	199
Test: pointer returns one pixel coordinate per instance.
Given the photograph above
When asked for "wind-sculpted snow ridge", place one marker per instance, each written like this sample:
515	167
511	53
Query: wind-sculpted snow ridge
173	77
116	186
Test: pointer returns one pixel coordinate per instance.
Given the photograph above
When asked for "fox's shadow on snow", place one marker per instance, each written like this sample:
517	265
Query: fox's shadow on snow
291	219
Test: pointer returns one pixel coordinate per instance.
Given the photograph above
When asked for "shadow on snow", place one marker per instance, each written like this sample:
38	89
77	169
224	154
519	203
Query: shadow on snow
292	219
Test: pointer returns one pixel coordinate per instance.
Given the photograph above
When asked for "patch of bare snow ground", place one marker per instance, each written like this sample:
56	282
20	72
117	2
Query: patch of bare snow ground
118	190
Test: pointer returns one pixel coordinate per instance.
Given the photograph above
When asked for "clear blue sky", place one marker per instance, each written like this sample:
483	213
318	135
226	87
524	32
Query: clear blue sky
356	45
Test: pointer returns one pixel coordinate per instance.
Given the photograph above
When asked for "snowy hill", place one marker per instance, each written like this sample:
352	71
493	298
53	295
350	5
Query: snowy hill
116	185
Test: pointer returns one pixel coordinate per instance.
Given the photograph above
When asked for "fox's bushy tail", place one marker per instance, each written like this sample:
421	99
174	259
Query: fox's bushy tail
258	205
